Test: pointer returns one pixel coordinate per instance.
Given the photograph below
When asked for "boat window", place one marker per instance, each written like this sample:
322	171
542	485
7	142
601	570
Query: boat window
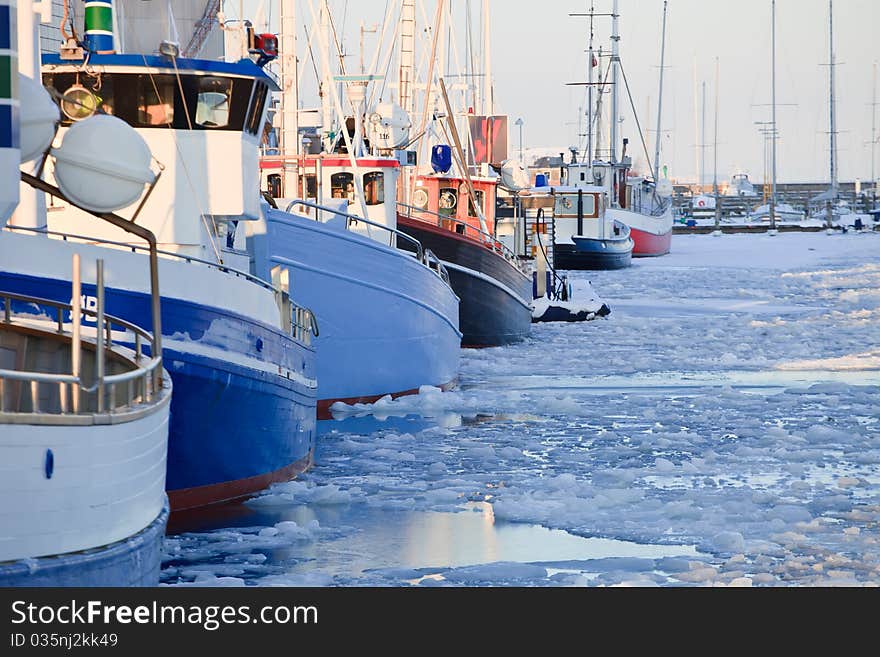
420	198
155	101
256	113
212	109
342	186
589	205
448	201
311	185
480	196
374	187
161	100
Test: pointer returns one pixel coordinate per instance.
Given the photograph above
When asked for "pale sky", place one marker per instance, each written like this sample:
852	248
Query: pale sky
537	48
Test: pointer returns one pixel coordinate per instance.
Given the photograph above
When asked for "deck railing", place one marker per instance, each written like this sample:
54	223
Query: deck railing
134	248
425	256
488	240
112	392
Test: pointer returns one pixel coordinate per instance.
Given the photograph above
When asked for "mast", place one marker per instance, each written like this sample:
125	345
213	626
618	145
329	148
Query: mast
874	140
289	131
660	100
326	92
590	66
703	142
773	132
832	114
488	95
715	148
615	61
406	79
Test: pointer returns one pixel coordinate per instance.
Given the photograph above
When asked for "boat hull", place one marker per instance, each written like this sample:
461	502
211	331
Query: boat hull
495	308
651	234
593	254
388	324
132	562
243	413
651	245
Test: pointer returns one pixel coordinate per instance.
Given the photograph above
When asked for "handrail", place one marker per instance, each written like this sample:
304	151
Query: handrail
353	217
488	239
142	373
135	247
171	254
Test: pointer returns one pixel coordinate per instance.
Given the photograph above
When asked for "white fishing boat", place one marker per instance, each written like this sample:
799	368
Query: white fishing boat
741	186
785	213
83	420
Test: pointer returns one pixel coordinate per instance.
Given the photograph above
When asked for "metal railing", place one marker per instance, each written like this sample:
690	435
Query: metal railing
134	248
304	324
139	385
488	240
424	256
353	218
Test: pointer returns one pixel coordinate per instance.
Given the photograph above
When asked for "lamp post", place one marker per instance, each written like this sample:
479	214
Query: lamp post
519	122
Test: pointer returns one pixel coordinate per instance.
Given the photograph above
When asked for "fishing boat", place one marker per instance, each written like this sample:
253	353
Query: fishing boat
83	419
604	215
389	318
494	286
784	213
450	206
741	186
237	347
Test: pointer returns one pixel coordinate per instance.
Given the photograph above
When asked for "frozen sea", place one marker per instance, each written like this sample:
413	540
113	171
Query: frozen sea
720	428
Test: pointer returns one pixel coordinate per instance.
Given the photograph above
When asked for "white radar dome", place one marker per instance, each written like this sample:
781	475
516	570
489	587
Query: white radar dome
38	121
103	164
514	175
389	126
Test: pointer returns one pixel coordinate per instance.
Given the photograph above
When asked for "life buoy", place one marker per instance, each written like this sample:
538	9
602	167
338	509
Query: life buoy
701	203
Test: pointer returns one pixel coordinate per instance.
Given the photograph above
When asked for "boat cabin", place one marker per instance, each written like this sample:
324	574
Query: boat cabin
203	122
445	200
332	181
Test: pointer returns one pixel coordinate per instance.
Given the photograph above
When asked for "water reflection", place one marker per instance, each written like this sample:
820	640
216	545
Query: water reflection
365	539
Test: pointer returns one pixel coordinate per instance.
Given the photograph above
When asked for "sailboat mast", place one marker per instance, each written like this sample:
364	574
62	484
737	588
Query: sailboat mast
715	147
615	65
874	139
660	100
703	141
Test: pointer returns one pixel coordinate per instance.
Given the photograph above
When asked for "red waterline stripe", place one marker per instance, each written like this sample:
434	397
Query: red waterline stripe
229	491
324	405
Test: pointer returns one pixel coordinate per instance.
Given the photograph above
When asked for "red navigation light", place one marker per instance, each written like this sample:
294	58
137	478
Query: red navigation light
267	44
